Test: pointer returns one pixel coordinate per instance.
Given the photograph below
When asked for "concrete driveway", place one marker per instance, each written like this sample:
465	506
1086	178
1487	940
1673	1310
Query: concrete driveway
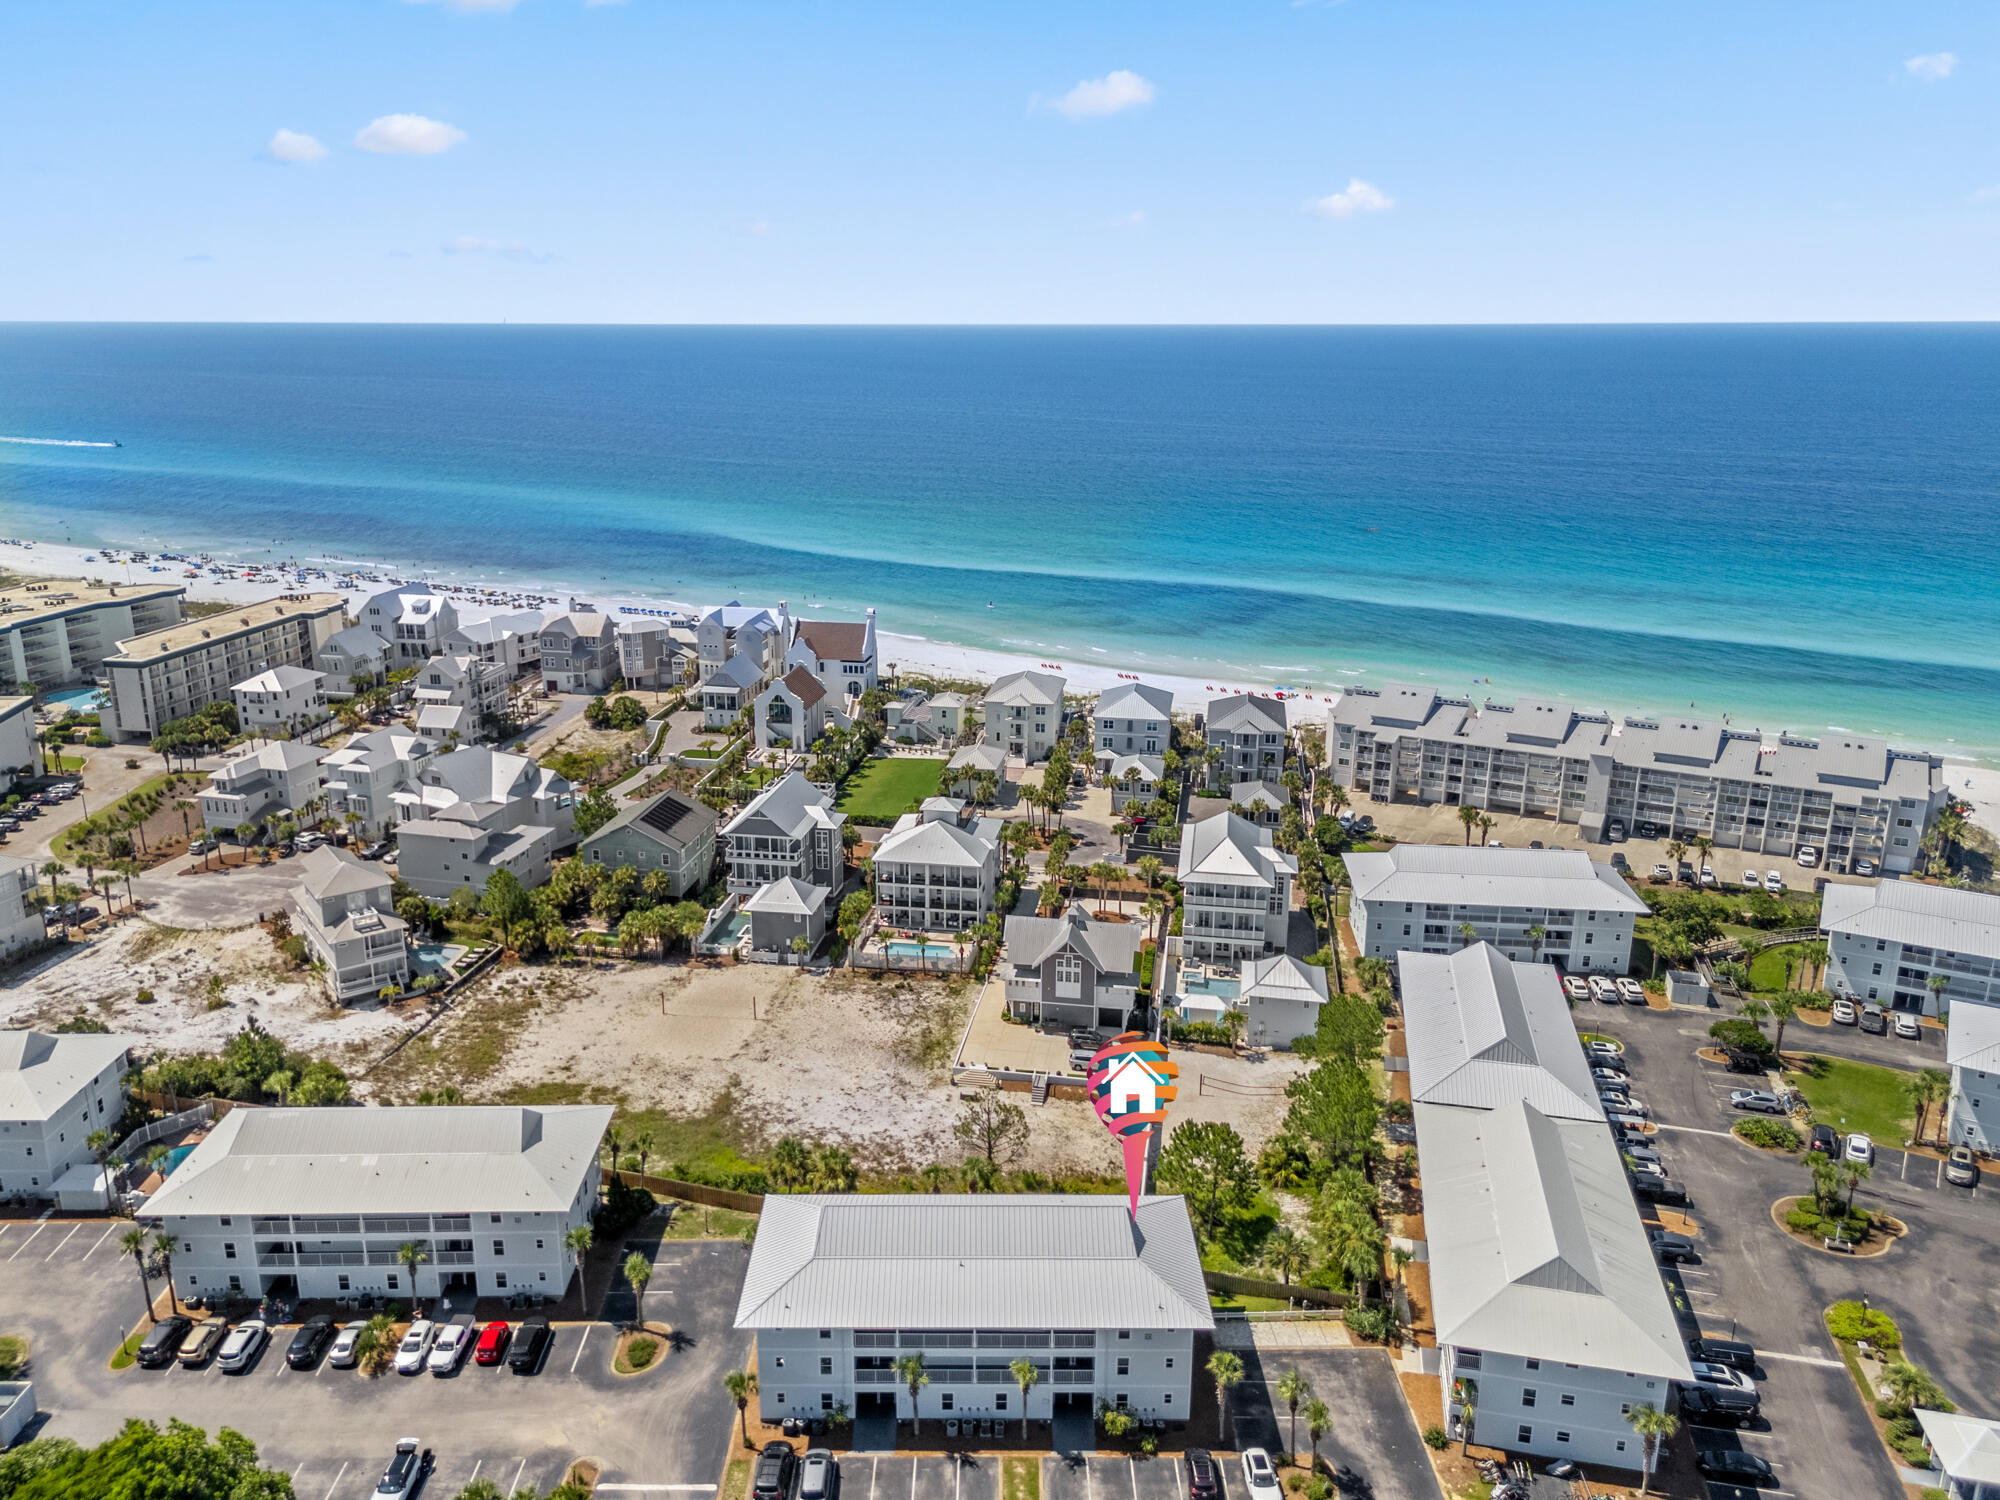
1372	1445
232	897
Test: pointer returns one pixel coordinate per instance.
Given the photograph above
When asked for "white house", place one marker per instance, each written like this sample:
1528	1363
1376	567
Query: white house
841	1286
1972	1052
792	713
20	922
412	620
57	1089
509	644
1133	778
937	870
1552	1320
317	1202
462	680
1890	942
280	699
279	777
1420	896
1236	891
364	775
1967	1451
840	654
354	652
347	916
475	811
731	630
1024	714
1248	733
729	690
1133	719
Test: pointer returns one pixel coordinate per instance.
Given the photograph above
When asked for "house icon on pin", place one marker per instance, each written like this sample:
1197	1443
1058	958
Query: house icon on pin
1133	1087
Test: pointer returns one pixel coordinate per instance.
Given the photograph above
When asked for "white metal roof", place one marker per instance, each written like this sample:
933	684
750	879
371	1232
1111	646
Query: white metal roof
40	1071
1972	1038
1027	689
1231	848
1284	978
1135	700
1246	712
1908	911
788	897
1013	1260
1483	1029
936	843
1966	1448
1447	875
453	1159
279	678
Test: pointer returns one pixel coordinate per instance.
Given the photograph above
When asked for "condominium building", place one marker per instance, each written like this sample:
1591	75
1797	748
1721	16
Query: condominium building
1972	1052
1928	949
347	916
1248	734
1553	1324
1549	905
276	778
938	869
58	631
171	673
57	1089
413	620
1236	891
1024	714
17	740
842	1286
788	829
281	700
1852	797
320	1202
20	919
1133	719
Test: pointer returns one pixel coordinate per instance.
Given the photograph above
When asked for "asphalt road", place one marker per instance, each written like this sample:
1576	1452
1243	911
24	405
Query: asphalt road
1372	1445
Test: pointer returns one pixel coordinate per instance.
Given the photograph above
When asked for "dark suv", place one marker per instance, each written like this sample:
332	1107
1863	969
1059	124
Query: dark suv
1204	1483
161	1340
774	1472
531	1341
1717	1406
1737	1356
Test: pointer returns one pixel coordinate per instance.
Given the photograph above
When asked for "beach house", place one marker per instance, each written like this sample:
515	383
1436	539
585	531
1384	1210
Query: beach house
840	654
57	1089
730	630
21	921
280	700
1236	891
793	712
278	778
345	912
1552	1321
171	673
1929	949
509	644
579	652
648	655
730	690
1133	778
938	868
347	654
1072	970
1549	905
1106	1309
461	680
1132	719
788	830
492	788
1024	714
58	631
671	833
412	619
453	851
966	766
1246	734
363	776
1259	802
784	912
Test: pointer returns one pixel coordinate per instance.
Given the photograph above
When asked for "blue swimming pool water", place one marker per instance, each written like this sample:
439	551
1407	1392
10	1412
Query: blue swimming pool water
1215	989
83	700
431	957
174	1158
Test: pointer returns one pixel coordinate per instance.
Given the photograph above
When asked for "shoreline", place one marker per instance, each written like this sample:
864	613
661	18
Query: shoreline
1971	781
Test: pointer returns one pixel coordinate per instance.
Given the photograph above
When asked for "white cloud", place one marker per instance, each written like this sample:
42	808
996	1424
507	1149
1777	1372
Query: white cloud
407	135
1985	195
1112	94
291	146
755	228
1134	220
1357	197
472	244
470	5
1931	66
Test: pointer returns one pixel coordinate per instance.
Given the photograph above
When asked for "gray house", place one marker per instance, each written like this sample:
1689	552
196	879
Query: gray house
671	832
784	910
1072	970
1249	731
579	652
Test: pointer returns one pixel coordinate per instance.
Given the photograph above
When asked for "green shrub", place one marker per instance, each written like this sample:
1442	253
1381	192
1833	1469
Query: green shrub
1295	1481
1149	1445
1804	1220
1204	1033
1914	1452
1434	1437
1902	1429
639	1353
1773	1134
13	1355
1852	1322
1376	1321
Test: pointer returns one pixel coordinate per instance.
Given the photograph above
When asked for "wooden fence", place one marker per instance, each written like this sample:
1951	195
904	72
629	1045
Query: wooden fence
1254	1286
692	1192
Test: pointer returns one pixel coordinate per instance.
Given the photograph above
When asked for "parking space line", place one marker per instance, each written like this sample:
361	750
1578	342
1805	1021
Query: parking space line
65	1240
30	1239
475	1470
579	1353
1696	1130
335	1485
1089	1480
100	1240
518	1473
1802	1359
1132	1468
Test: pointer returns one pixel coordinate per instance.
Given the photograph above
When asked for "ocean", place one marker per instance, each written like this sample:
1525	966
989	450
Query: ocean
1798	526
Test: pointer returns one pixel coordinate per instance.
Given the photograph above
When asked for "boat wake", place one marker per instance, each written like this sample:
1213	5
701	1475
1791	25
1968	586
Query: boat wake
57	442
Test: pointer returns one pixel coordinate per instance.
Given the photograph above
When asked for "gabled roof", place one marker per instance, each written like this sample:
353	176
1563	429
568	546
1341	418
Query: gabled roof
328	871
480	774
1483	1029
425	1160
791	804
1258	794
1246	713
1150	767
1111	947
937	843
1231	848
1027	688
278	679
496	628
788	897
980	757
1972	1040
671	820
946	1260
802	685
586	623
1135	700
278	756
355	640
443	718
379	747
1284	978
40	1071
1907	911
739	672
1448	875
834	640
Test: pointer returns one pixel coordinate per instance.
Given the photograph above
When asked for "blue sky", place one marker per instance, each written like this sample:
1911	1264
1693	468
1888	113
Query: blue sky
1164	161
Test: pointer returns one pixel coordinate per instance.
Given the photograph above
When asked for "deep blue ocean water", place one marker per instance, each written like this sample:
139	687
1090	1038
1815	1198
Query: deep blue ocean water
1799	526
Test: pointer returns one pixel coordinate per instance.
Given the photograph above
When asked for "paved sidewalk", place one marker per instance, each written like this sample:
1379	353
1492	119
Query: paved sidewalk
1275	1333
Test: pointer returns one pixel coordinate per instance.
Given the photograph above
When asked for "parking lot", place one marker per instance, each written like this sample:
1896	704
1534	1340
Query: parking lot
65	1285
1371	1445
1753	1282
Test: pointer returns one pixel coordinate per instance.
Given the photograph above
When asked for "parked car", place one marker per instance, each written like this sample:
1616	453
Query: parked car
1617	1100
245	1342
1606	1054
1649	830
1960	1168
1204	1479
1844	1013
492	1345
1608	1078
1672	1247
376	850
1859	1148
1708	877
1721	1376
408	1467
1874	1020
1643	1156
1661	872
819	1475
1603	990
1615	831
202	1341
448	1348
773	1480
1575	987
1259	1478
1774	881
1808	856
1733	1466
1907	1027
1825	1140
531	1342
1750	881
1761	1101
1731	1352
416	1347
1717	1406
345	1352
1864	867
309	1342
1631	991
1684	872
1658	1186
162	1339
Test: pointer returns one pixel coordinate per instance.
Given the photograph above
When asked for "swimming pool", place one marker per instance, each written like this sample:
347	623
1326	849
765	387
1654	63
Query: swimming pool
80	700
174	1158
1212	988
730	931
428	958
909	948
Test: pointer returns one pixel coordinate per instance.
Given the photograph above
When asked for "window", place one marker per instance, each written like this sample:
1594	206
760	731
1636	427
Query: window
1621	1445
825	1365
343	1283
538	1244
392	1281
1124	1333
999	1400
1561	1436
225	1223
1568	1399
779	1362
1122	1401
496	1218
229	1250
500	1280
826	1333
1624	1408
236	1283
1124	1365
1170	1361
1525	1436
1167	1399
943	1401
1528	1396
781	1398
499	1247
1533	1364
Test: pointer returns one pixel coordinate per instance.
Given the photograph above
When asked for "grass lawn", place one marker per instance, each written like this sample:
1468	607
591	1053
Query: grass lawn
883	790
1767	969
693	1221
1853	1096
1020	1479
1234	1302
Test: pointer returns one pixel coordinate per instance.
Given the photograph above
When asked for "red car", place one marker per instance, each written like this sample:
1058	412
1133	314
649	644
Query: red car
492	1345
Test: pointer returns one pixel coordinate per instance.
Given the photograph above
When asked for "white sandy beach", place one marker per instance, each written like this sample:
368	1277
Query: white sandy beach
1976	784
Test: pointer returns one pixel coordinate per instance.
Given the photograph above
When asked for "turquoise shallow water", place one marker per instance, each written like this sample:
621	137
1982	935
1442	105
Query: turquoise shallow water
1794	525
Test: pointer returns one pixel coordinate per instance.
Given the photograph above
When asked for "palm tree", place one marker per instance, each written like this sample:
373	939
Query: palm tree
1287	1253
1226	1370
1292	1388
184	807
1468	817
981	1176
133	1242
638	1271
911	1373
1467	934
53	869
741	1385
1675	849
1855	1173
1486	824
1930	1086
1654	1428
376	1346
163	1256
1937	984
1465	1415
1318	1421
1702	845
1782	1007
1025	1374
1150	867
1537	935
409	1255
935	1176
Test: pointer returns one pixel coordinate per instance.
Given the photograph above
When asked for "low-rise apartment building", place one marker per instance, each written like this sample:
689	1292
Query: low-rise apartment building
318	1202
21	920
1024	714
1247	734
1072	970
579	653
173	672
671	833
57	1089
788	829
1552	1321
1972	1052
347	915
282	700
1132	719
57	631
1907	946
276	778
17	740
840	654
1852	797
1548	905
1236	891
413	621
842	1286
938	869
